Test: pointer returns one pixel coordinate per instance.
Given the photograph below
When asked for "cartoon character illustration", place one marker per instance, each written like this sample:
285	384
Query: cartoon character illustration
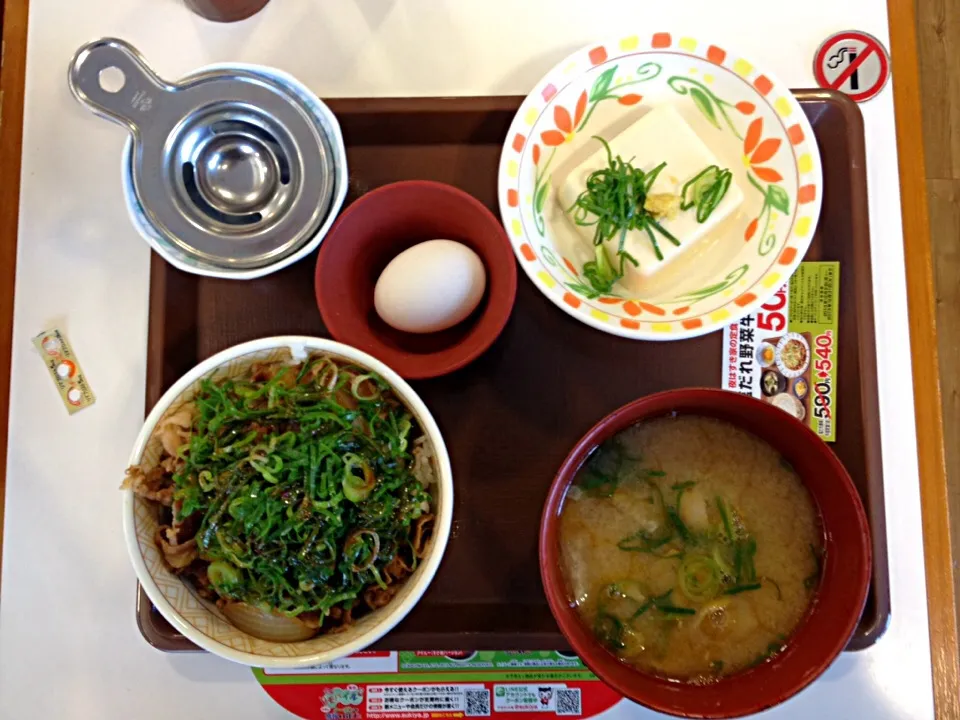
546	695
335	697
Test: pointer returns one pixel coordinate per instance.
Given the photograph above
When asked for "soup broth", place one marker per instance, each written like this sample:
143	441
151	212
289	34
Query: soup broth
690	547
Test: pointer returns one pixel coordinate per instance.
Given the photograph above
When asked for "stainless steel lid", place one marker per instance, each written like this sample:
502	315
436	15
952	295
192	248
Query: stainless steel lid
229	166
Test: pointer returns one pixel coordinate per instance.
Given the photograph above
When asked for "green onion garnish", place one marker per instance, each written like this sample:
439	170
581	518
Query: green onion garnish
609	631
705	190
737	589
676	610
301	484
699	578
613	204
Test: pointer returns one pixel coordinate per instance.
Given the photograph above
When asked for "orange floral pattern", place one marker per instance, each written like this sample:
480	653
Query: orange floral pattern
565	123
564	112
756	151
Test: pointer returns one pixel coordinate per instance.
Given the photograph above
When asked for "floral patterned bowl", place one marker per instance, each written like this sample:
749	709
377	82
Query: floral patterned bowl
749	120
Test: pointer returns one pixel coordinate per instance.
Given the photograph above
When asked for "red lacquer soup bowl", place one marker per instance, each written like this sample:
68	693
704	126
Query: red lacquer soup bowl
836	607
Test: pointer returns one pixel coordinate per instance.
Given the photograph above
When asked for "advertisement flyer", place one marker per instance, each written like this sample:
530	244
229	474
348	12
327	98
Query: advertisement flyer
427	684
786	352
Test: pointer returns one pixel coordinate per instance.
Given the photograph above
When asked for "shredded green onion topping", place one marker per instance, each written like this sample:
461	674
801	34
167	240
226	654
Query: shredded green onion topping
705	191
301	485
613	204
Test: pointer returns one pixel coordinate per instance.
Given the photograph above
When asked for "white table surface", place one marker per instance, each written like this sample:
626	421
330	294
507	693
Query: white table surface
69	646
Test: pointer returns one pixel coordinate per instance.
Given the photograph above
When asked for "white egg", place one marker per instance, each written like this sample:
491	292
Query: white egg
429	287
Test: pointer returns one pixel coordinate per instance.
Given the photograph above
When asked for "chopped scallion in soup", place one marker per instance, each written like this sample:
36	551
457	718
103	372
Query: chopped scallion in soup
690	547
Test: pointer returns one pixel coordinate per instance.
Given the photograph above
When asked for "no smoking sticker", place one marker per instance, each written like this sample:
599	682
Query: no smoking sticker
854	63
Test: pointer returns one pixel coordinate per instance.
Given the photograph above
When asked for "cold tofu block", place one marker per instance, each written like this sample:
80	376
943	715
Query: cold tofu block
662	135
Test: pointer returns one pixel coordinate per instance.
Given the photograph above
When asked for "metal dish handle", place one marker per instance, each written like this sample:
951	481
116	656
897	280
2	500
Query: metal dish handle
140	94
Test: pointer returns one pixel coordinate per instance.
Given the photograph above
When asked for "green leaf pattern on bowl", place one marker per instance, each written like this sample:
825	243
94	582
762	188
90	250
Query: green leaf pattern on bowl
603	89
714	109
755	127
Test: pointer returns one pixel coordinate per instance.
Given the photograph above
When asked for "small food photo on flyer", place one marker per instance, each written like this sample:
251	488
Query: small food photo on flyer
786	352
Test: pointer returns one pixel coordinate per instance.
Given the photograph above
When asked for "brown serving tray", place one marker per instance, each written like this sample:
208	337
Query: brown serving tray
510	418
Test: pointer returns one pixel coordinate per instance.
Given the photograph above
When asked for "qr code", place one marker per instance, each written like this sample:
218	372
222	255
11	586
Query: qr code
478	702
568	702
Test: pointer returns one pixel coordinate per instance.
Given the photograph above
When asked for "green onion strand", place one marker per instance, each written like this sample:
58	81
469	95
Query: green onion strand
301	486
613	203
705	191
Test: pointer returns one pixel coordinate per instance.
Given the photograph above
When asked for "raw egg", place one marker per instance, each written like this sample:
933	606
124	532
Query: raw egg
430	287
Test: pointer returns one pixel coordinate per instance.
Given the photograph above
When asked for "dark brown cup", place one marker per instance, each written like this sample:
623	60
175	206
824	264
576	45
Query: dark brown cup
226	10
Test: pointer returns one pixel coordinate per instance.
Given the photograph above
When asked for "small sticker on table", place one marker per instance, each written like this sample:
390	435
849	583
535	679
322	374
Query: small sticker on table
64	368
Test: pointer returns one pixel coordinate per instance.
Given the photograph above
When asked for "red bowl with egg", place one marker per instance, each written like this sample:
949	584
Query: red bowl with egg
373	231
834	611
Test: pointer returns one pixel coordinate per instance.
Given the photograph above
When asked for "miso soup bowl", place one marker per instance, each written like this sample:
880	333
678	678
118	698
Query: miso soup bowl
834	611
